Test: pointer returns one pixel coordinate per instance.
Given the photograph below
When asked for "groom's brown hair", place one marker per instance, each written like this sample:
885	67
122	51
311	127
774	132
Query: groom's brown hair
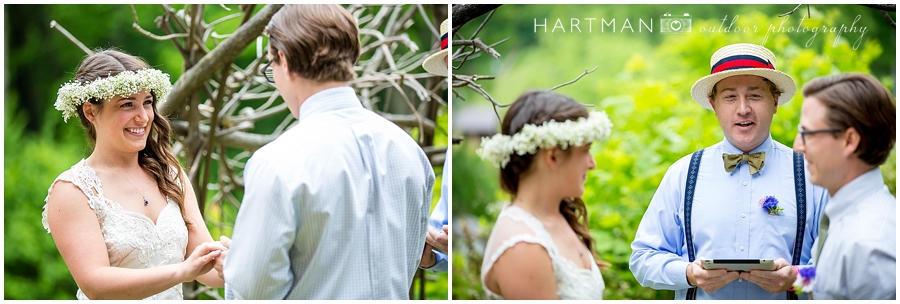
859	101
319	41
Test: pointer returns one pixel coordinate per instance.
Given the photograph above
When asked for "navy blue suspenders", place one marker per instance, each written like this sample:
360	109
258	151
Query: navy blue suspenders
799	190
688	202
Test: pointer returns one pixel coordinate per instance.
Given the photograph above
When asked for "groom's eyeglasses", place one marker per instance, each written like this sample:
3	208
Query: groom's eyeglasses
803	133
268	72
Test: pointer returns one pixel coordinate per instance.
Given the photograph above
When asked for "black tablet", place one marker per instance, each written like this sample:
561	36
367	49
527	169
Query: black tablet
738	264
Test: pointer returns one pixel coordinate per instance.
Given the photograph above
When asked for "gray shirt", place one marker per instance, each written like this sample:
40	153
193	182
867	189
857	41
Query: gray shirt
859	258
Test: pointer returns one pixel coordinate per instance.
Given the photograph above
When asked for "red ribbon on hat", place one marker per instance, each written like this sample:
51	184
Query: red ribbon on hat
444	41
741	62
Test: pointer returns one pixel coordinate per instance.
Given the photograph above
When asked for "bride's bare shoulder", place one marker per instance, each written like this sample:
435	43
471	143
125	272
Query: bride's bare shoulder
512	280
64	189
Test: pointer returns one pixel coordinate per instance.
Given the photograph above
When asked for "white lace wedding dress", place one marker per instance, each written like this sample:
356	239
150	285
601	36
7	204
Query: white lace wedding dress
132	239
515	225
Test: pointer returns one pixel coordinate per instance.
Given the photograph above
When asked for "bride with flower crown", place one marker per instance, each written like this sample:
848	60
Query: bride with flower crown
543	153
126	220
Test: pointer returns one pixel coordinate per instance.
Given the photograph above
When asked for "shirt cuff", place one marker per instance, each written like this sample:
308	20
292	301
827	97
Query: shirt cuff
440	264
677	272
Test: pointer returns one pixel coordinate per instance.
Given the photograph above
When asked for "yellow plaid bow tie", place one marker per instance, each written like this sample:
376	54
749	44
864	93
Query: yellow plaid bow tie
756	161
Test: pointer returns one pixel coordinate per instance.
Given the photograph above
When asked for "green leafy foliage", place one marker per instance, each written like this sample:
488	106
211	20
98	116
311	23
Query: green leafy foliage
643	83
33	266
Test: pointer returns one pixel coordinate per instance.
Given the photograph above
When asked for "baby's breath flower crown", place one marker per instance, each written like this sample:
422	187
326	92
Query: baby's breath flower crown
499	148
71	95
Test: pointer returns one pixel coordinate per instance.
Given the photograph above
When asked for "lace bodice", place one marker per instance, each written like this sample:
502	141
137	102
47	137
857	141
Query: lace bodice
132	239
515	225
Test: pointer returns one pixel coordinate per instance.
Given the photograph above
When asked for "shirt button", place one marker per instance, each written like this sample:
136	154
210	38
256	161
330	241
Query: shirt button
745	184
740	280
743	214
742	248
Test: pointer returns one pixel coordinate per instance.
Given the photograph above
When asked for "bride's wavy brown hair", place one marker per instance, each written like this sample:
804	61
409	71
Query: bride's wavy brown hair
538	107
156	157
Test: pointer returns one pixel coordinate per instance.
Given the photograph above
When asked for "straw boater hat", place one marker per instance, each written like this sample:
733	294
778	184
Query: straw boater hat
437	62
743	59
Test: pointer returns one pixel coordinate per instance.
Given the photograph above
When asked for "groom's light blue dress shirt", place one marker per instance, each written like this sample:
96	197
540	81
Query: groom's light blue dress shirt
439	218
727	221
859	258
334	208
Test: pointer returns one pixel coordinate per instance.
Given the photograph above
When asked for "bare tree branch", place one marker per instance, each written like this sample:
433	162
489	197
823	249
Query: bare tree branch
209	27
389	27
888	17
473	54
133	13
480	45
248	141
411	107
882	7
77	43
173	16
465	79
211	136
147	33
483	22
425	17
162	22
463	13
470	83
574	80
436	155
409	120
193	44
225	53
248	11
154	36
477	45
793	10
382	40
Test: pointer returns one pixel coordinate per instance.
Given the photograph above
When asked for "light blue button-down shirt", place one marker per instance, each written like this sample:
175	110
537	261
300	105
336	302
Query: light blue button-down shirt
727	221
335	208
439	218
859	259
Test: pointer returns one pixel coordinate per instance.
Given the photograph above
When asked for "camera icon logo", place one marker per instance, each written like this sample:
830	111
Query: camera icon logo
669	24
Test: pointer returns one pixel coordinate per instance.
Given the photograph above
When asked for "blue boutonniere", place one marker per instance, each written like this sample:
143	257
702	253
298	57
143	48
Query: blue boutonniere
770	205
805	276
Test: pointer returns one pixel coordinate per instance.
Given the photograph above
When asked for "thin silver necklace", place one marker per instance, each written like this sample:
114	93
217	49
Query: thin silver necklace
129	182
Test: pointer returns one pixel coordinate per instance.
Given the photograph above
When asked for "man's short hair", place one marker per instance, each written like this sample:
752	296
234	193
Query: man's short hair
860	102
320	42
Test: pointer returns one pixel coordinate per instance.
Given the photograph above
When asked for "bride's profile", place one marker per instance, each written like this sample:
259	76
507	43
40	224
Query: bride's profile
540	247
126	220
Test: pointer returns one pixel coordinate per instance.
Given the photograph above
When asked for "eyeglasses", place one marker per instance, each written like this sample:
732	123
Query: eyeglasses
268	72
803	133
